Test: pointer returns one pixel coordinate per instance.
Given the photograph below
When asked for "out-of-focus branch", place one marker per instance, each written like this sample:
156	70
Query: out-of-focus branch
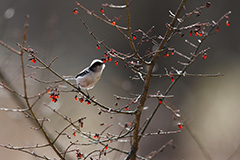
155	153
235	153
200	145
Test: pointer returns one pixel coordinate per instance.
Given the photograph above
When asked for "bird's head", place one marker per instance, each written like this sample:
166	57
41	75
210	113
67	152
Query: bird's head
97	65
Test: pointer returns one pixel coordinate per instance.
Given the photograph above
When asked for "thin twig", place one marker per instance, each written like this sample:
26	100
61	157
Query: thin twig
23	149
98	17
130	37
10	48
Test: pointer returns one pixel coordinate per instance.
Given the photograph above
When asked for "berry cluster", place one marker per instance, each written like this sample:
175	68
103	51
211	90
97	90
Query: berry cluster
54	94
81	99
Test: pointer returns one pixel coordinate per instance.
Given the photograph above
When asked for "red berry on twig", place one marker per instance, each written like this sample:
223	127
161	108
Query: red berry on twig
34	60
76	98
134	36
113	22
75	11
98	47
180	125
190	33
166	55
204	56
102	10
228	23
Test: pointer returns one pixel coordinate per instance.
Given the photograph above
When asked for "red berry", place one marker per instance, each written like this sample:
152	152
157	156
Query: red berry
180	125
190	33
79	155
113	22
106	147
196	33
217	29
172	79
102	10
75	11
98	47
74	134
160	101
166	55
172	53
34	60
227	23
76	98
127	108
81	100
116	63
134	36
204	56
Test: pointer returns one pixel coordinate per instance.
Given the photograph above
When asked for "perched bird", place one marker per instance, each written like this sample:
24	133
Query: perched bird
88	77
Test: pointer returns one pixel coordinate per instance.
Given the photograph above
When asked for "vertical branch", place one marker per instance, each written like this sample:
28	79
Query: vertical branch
130	37
25	90
136	138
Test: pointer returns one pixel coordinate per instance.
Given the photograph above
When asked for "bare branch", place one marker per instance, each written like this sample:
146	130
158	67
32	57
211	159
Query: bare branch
98	17
10	48
24	149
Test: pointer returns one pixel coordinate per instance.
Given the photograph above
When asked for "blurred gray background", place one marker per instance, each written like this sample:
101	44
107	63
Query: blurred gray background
211	106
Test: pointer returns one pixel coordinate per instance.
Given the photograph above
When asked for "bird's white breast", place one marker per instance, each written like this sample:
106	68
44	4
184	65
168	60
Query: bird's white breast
88	81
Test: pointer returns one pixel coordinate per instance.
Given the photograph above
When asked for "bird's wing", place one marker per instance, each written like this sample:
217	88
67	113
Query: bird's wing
83	73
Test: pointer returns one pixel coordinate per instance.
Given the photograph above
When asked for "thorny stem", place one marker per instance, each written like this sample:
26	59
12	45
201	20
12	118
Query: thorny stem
25	92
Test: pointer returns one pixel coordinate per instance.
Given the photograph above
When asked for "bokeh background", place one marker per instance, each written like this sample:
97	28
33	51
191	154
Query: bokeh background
210	106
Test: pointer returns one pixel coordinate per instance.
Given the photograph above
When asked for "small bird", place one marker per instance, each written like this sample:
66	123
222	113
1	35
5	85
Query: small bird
88	77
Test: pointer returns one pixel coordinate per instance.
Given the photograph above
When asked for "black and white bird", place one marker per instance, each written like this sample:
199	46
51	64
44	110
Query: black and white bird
88	77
